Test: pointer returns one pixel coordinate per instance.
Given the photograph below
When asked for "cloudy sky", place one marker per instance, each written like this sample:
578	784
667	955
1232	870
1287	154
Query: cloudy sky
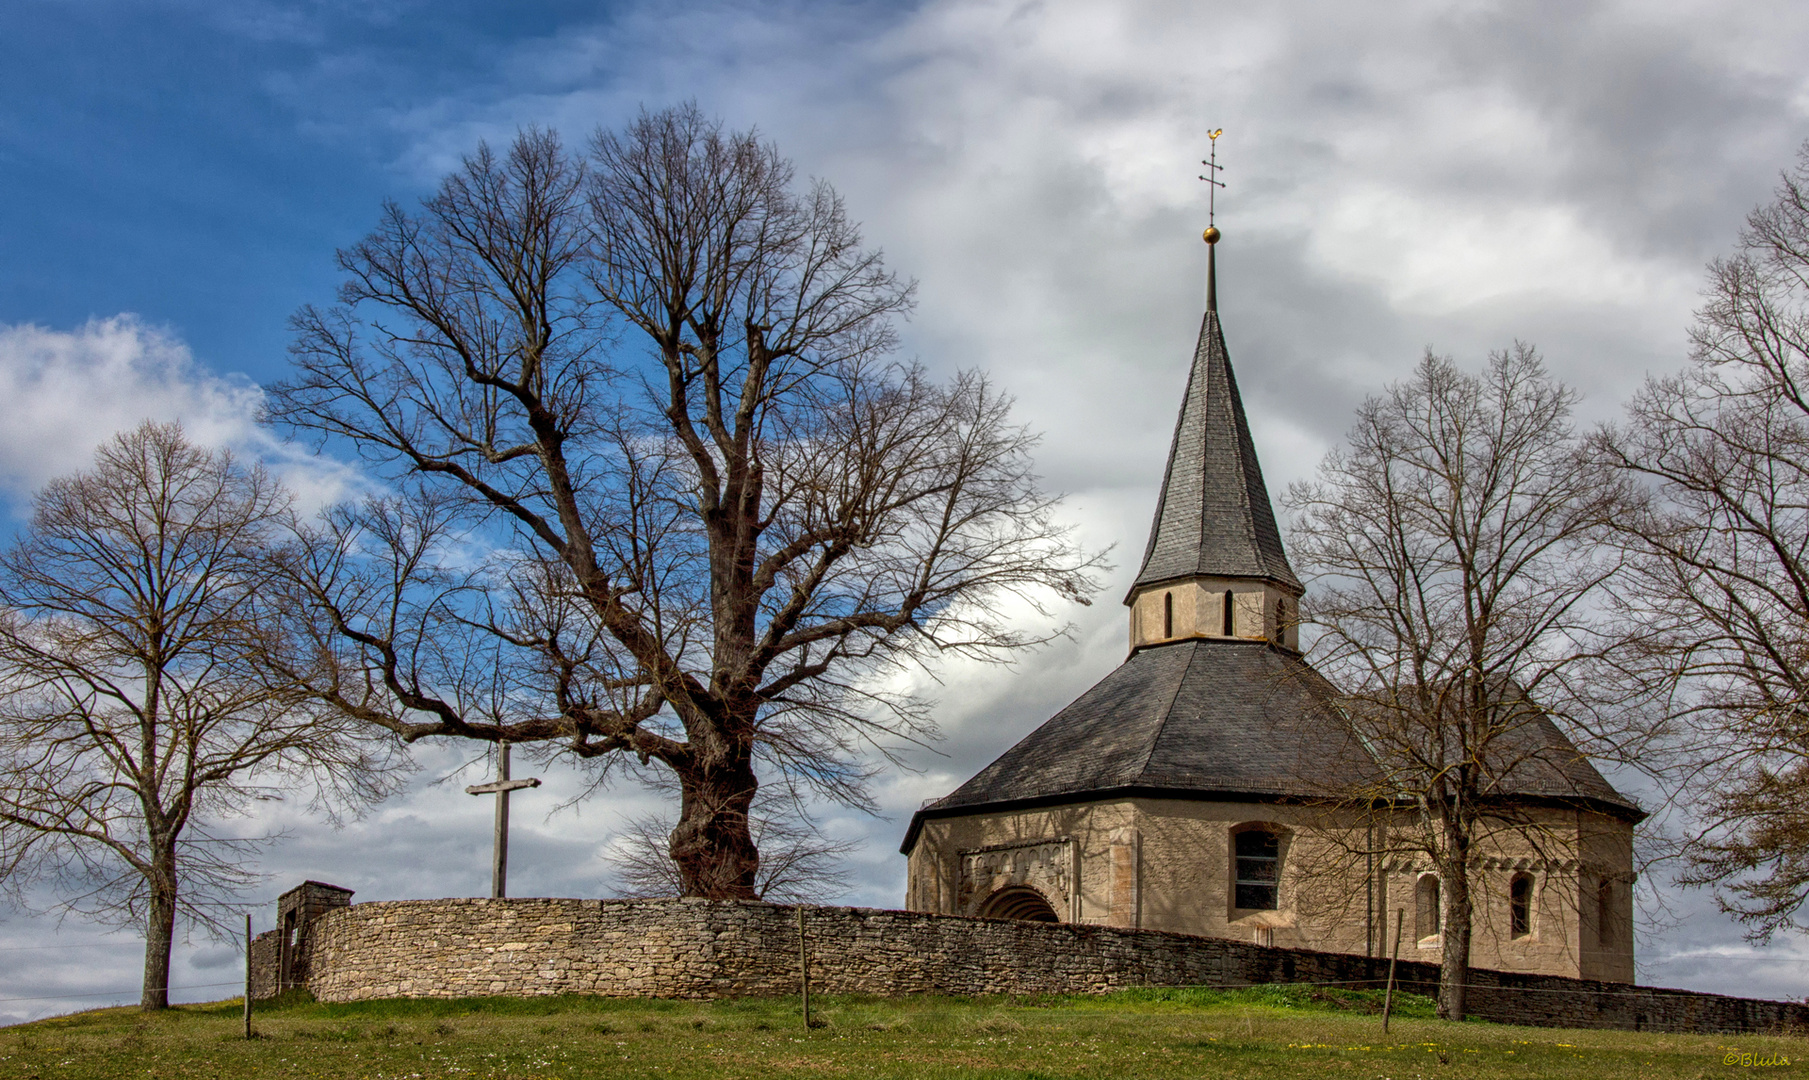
175	176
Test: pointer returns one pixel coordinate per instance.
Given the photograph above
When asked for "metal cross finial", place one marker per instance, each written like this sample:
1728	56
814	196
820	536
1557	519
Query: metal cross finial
1211	235
1212	177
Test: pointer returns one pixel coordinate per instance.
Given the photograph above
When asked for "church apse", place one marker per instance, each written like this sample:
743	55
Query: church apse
1187	789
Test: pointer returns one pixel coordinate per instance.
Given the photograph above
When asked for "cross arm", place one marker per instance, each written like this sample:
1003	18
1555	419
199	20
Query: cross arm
502	785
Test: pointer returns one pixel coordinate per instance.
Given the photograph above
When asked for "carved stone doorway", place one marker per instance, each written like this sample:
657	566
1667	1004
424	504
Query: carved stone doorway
1018	902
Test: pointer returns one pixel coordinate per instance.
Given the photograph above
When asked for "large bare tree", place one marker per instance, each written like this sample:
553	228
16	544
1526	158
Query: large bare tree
1451	544
1718	593
135	714
660	465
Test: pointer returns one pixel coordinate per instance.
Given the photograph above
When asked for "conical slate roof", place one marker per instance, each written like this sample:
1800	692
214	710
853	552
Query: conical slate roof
1214	516
1229	719
1536	759
1237	718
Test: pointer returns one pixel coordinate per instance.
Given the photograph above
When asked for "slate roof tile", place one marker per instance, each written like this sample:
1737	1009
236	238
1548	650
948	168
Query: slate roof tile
1196	715
1213	516
1234	718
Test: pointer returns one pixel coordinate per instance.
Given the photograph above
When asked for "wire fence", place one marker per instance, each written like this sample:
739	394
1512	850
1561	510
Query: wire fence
69	945
1650	993
1405	985
135	991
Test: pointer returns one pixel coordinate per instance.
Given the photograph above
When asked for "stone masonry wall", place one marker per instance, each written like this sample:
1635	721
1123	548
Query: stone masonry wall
711	949
266	959
267	963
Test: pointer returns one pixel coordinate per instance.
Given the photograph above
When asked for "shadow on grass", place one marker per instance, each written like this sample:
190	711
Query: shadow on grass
1285	997
298	1004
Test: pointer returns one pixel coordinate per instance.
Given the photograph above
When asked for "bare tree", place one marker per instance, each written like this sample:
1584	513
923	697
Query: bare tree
1718	593
1452	547
134	715
701	510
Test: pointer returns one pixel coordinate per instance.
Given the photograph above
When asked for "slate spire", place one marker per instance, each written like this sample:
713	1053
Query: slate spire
1214	517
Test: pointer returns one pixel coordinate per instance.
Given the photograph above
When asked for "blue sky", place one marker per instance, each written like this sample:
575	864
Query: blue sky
175	176
198	163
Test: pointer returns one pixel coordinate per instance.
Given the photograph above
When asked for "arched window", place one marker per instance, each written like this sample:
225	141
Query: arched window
1168	614
1227	612
1520	905
1604	914
1426	910
1258	870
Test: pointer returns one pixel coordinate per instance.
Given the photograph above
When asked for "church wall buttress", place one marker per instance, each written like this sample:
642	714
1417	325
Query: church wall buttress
1125	905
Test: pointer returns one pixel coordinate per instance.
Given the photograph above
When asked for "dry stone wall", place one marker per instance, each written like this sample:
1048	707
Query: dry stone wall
266	963
712	949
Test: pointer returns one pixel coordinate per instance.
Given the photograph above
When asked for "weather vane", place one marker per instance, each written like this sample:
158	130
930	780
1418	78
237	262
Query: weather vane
1212	177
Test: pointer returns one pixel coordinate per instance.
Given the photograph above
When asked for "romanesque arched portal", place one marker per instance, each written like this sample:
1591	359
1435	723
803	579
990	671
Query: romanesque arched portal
1018	902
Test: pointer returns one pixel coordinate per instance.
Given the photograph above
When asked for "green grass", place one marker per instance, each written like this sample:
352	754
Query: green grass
1281	1031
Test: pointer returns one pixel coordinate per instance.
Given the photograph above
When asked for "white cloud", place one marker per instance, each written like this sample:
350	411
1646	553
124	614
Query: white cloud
64	392
1442	255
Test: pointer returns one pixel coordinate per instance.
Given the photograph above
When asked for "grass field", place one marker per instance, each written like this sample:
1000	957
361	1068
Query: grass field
1260	1032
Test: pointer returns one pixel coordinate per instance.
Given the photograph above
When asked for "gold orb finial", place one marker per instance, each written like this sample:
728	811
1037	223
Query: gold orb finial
1211	235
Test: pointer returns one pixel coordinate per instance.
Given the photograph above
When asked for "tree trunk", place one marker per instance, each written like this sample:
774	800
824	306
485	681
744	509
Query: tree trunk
713	844
1454	926
159	934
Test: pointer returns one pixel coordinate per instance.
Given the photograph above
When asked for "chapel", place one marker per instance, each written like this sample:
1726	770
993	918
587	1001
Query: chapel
1184	791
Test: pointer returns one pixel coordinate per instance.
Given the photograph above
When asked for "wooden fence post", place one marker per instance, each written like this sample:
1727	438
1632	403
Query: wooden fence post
248	974
803	967
1400	917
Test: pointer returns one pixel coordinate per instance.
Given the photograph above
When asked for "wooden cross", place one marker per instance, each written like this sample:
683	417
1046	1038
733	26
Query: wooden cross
500	787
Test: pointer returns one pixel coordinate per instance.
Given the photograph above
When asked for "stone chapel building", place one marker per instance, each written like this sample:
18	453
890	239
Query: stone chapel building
1176	794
